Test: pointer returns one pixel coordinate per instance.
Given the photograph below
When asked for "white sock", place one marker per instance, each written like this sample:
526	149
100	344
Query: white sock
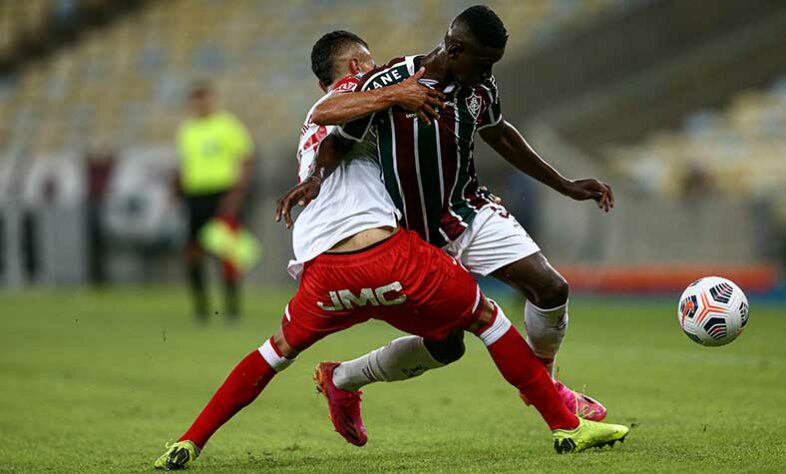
403	358
545	330
271	355
500	325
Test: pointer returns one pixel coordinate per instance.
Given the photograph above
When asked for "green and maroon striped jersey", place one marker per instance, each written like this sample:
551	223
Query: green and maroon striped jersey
429	170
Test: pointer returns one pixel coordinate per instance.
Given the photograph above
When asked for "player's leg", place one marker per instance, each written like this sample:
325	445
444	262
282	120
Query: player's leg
303	324
443	296
231	274
546	321
198	215
243	385
401	359
496	244
522	369
195	258
546	310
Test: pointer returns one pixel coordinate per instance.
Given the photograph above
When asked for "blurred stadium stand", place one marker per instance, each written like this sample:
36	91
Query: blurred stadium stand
590	82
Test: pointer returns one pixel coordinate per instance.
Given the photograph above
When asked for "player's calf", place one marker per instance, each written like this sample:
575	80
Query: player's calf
518	364
243	386
401	359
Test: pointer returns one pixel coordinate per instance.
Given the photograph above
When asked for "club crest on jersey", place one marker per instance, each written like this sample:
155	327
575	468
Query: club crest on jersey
473	104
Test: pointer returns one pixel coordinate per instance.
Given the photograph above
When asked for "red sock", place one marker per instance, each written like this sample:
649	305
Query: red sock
242	386
522	369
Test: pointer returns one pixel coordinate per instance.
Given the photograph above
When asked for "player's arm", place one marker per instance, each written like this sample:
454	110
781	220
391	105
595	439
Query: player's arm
506	140
329	155
409	94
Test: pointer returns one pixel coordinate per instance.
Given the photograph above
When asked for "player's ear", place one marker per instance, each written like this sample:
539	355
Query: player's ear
354	67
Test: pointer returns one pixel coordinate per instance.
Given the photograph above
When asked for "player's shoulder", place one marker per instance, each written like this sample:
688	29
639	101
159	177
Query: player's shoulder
227	116
392	72
185	128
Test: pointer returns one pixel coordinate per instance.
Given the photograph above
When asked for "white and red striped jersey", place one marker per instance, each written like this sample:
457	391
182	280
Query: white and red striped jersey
353	198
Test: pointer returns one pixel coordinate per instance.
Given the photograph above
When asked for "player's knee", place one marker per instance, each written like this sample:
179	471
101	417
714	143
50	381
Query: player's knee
554	292
277	353
283	347
448	350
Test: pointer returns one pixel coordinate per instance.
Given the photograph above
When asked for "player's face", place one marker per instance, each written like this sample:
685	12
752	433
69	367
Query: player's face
472	64
202	104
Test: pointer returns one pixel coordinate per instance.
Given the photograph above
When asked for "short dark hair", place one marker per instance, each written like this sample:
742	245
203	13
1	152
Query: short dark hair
484	25
200	88
325	51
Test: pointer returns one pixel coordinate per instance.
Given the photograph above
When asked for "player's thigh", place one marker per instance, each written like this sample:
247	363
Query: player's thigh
309	315
494	240
437	294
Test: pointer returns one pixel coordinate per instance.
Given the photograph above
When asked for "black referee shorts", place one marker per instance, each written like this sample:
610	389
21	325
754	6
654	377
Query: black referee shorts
202	209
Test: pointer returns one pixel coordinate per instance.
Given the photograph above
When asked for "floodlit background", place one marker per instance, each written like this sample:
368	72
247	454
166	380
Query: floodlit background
679	105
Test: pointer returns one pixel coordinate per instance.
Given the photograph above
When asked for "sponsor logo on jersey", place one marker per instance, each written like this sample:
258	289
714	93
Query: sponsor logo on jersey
388	78
386	295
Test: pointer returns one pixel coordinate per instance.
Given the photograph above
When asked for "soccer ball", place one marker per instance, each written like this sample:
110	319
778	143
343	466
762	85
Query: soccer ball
713	311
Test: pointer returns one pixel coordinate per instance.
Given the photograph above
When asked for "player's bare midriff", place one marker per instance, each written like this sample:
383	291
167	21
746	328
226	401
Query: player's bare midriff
363	239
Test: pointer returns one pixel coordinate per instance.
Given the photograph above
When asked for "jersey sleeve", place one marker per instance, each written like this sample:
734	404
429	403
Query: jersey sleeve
492	113
357	129
392	73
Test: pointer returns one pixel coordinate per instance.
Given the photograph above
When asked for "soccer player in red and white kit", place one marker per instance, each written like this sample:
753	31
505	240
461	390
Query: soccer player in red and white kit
355	263
429	171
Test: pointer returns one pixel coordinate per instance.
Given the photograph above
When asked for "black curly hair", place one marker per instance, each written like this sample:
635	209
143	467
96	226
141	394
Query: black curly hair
484	25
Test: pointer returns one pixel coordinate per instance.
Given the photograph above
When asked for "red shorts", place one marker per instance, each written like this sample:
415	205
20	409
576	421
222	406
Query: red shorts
403	280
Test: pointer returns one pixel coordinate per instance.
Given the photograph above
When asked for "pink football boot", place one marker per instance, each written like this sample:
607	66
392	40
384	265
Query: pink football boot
344	406
582	405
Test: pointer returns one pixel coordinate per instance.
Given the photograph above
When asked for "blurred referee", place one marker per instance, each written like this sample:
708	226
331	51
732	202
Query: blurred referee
215	151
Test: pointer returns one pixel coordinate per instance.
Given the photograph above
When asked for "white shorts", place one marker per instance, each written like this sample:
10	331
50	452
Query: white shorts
493	240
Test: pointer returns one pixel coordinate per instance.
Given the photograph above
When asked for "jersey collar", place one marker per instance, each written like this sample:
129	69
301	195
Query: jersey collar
344	80
413	64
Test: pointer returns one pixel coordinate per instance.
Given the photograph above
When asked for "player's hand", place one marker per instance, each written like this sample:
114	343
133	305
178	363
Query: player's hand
496	199
302	194
415	97
584	189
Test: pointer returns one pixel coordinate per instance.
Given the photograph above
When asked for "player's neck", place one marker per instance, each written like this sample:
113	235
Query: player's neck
436	64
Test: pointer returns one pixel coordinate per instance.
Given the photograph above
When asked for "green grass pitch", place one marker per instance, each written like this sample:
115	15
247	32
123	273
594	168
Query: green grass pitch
99	382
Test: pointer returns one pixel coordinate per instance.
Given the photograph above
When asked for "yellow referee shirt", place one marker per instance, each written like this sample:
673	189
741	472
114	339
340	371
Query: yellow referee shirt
212	150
